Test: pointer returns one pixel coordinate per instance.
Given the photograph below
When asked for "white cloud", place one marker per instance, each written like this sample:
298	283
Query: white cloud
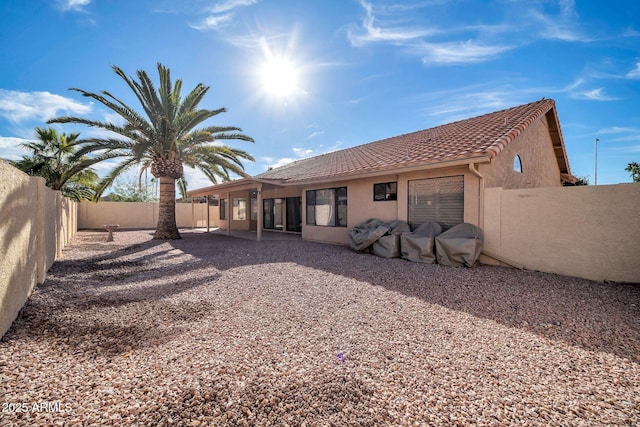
18	106
74	5
228	5
212	22
373	33
618	129
302	152
272	163
635	73
314	134
220	14
631	32
10	147
622	134
594	95
562	26
415	40
460	52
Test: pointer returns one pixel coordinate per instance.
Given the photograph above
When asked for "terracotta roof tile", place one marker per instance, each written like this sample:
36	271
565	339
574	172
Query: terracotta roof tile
485	135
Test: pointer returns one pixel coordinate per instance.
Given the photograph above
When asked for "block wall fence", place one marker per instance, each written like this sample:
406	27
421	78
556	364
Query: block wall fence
591	232
36	223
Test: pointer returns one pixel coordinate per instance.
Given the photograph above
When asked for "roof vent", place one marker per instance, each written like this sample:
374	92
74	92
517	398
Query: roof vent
506	122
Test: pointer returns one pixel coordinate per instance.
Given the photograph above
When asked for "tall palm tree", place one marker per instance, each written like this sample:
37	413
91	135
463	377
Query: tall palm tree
163	138
634	169
54	157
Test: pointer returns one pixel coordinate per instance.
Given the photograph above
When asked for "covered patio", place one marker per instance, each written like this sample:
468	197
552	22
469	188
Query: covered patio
252	209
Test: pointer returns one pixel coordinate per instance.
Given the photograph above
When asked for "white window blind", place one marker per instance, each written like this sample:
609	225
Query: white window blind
437	199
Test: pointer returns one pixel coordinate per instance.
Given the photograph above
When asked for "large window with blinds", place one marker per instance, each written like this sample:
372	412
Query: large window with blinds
437	199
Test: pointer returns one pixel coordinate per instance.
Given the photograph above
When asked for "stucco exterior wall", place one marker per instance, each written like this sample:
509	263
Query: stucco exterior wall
539	164
51	226
34	227
586	231
18	237
126	214
281	192
361	207
142	215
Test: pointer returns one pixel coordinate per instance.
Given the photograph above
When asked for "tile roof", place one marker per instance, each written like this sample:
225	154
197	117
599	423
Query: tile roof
479	137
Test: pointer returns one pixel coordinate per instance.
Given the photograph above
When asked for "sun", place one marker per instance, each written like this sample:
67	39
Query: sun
280	78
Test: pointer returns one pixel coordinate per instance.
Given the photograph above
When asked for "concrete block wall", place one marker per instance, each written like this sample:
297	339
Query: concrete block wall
585	231
35	225
142	215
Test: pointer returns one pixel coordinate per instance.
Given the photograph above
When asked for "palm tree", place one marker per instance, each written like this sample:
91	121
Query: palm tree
54	157
634	169
164	138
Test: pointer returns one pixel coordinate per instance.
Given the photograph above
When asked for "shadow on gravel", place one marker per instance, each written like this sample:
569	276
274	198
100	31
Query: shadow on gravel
78	299
596	316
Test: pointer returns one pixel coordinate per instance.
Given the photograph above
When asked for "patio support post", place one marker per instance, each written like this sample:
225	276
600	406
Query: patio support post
208	213
193	214
260	213
228	216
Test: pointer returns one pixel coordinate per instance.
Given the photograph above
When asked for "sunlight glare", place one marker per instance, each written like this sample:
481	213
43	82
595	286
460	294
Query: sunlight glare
280	78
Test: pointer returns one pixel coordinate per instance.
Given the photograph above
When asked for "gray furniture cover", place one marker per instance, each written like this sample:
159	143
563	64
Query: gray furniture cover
388	246
418	246
363	236
459	245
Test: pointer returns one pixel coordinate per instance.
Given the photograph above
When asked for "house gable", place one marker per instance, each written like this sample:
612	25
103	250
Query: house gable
535	155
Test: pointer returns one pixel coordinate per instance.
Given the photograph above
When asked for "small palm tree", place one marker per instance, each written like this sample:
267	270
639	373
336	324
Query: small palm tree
164	138
54	157
634	169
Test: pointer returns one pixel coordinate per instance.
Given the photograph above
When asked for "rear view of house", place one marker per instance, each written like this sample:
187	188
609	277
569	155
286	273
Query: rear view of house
437	174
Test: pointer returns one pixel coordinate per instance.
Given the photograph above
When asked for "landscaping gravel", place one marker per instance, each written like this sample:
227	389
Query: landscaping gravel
215	330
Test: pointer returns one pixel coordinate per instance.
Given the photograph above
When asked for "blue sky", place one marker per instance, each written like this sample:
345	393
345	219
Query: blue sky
307	77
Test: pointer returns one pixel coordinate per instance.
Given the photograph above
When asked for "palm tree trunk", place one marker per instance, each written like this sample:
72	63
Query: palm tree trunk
167	228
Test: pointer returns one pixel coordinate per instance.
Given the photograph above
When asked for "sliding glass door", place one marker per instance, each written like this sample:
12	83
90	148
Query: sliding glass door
283	214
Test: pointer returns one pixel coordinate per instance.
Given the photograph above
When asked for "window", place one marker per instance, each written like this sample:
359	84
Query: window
283	213
273	214
327	207
385	191
223	208
239	209
517	164
437	199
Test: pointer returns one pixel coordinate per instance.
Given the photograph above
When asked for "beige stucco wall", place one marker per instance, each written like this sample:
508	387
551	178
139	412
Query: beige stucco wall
126	214
585	231
539	164
35	225
142	215
18	241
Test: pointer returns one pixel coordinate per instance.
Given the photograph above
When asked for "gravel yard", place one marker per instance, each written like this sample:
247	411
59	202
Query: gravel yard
214	330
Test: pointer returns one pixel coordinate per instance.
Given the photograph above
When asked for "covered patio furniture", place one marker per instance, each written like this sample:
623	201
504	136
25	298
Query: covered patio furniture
418	246
363	236
460	245
388	246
